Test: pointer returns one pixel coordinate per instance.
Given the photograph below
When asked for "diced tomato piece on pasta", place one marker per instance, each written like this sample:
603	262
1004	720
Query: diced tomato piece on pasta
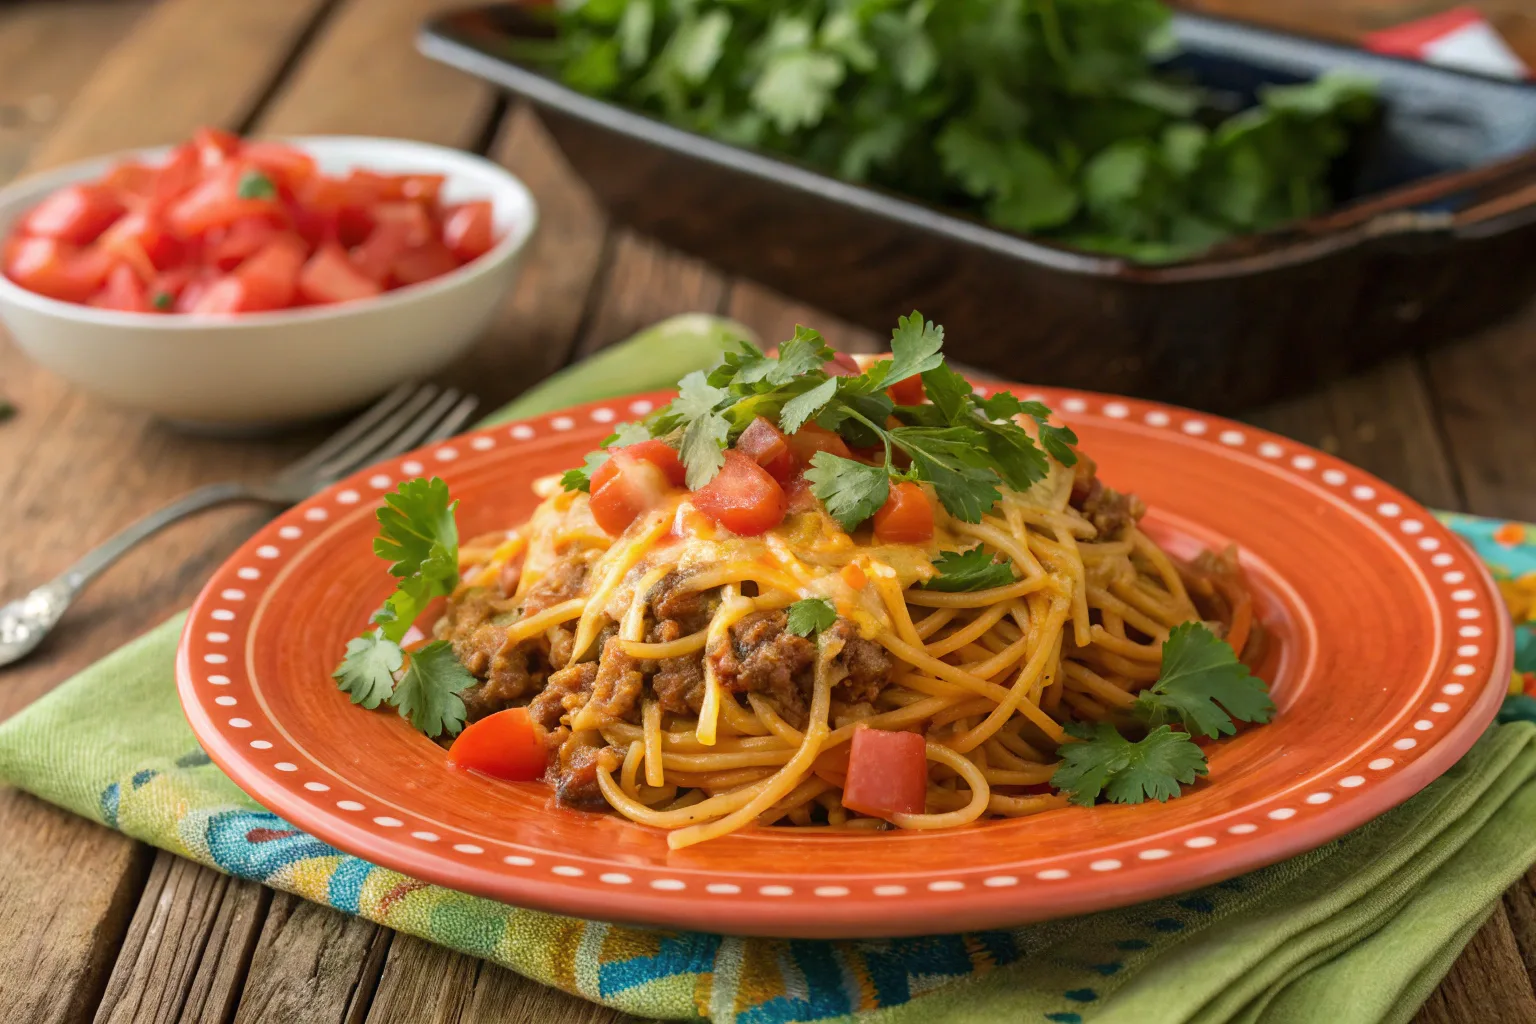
742	497
634	480
906	517
887	773
769	448
810	439
907	392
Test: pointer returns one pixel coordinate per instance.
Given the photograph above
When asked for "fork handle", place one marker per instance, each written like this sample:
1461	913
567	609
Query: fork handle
114	547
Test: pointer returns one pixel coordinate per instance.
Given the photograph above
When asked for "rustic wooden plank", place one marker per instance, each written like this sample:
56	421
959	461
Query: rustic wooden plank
186	63
47	51
536	329
1520	905
185	955
774	317
1381	420
1487	983
426	984
312	965
363	76
1485	391
70	887
646	282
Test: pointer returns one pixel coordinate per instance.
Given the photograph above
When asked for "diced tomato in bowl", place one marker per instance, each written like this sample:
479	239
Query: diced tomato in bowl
218	202
219	281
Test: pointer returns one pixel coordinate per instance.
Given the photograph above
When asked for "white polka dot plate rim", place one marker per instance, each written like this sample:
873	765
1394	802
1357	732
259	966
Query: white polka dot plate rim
1320	540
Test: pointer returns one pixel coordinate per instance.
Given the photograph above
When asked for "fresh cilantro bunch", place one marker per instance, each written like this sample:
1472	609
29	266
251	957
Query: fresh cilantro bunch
1047	118
419	537
1202	686
964	446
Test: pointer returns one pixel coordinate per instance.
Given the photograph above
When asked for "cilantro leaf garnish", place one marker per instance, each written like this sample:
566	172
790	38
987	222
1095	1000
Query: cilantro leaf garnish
162	300
851	490
580	478
1126	772
367	673
812	615
253	184
626	434
974	569
428	694
965	447
1204	686
419	537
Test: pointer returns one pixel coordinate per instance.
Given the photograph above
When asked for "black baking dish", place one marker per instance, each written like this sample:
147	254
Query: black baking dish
1435	236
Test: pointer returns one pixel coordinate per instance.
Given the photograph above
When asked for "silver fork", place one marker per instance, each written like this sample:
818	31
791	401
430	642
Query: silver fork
411	415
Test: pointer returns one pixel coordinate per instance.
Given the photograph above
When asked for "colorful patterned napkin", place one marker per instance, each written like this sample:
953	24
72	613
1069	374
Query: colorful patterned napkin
1358	931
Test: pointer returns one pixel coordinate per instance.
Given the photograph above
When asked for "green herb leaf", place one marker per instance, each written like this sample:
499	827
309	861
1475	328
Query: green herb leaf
417	531
915	345
973	569
798	410
1125	772
806	352
254	184
162	300
580	478
626	434
367	673
795	87
812	615
1204	685
851	491
953	460
427	695
703	448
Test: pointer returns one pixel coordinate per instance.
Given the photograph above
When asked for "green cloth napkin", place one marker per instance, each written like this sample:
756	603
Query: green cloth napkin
1358	931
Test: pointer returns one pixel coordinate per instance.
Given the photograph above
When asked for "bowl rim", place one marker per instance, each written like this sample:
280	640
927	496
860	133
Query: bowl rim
25	191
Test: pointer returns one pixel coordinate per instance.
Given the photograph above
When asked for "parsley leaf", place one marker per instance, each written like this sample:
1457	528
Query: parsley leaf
254	184
428	694
417	530
974	569
1125	772
1202	684
851	490
948	458
915	345
805	352
626	434
811	615
580	478
418	535
805	406
367	673
703	448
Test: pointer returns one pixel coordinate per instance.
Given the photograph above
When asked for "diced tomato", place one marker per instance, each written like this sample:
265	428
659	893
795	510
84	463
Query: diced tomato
423	188
798	496
286	165
907	392
176	177
658	453
229	246
842	365
769	448
131	180
166	287
634	480
409	220
887	773
218	202
422	264
504	746
271	276
215	145
364	188
906	517
376	257
810	439
52	268
469	230
123	291
141	241
330	277
742	497
192	290
76	214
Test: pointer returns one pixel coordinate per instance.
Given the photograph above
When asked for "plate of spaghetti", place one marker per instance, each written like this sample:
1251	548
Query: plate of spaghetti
818	646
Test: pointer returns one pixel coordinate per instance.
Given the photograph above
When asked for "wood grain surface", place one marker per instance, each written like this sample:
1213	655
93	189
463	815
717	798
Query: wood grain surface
94	926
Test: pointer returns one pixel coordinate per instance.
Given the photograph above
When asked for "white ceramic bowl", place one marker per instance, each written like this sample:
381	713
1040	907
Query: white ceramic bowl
259	369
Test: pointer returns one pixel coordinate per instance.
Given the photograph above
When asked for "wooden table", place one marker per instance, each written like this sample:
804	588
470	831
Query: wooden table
96	926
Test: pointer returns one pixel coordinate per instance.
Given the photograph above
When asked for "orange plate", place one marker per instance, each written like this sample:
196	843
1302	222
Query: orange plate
1393	656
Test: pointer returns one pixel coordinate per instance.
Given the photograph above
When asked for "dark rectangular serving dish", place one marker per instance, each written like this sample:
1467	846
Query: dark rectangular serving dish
1435	235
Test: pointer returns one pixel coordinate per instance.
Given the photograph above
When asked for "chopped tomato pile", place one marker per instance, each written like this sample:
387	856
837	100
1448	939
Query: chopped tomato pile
763	480
227	225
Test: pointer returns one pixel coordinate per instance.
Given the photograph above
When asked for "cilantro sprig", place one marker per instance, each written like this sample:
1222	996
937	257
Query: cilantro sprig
964	446
975	569
419	537
810	616
1203	686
